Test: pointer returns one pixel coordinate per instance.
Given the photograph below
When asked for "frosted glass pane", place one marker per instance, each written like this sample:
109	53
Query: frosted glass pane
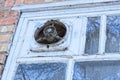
47	71
97	71
113	34
92	35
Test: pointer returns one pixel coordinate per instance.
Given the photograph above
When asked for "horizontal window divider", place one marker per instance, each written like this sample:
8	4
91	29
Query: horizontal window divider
42	60
102	57
80	58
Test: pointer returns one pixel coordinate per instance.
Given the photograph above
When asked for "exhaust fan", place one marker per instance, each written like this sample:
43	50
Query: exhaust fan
52	35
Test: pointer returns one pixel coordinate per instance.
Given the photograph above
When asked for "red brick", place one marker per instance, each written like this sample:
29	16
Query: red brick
8	28
60	0
18	2
49	0
10	13
9	3
1	14
3	47
10	20
53	0
2	58
28	1
5	37
0	1
39	1
0	5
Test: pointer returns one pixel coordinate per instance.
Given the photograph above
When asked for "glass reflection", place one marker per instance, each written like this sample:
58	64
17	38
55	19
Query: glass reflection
47	71
92	35
113	34
97	71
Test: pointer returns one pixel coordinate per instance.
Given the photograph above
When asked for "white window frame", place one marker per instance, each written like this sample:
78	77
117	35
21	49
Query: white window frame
83	13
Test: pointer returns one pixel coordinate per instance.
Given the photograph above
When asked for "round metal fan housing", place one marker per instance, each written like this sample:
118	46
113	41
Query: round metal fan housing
52	32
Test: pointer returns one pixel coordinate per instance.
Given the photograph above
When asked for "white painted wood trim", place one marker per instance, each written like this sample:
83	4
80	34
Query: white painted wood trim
108	10
26	49
103	57
8	70
42	60
13	62
70	70
70	59
83	35
102	37
13	67
57	5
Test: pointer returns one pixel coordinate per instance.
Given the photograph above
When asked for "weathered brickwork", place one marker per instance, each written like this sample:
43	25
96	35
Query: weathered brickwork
8	24
20	2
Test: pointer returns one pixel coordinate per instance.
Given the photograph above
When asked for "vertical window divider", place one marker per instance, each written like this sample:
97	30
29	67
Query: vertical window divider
83	35
102	39
70	69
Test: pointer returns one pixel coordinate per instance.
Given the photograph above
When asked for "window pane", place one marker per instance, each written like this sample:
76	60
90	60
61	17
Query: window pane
46	71
92	35
113	34
97	71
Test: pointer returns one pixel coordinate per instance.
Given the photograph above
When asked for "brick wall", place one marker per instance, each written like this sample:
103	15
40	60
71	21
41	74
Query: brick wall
8	24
